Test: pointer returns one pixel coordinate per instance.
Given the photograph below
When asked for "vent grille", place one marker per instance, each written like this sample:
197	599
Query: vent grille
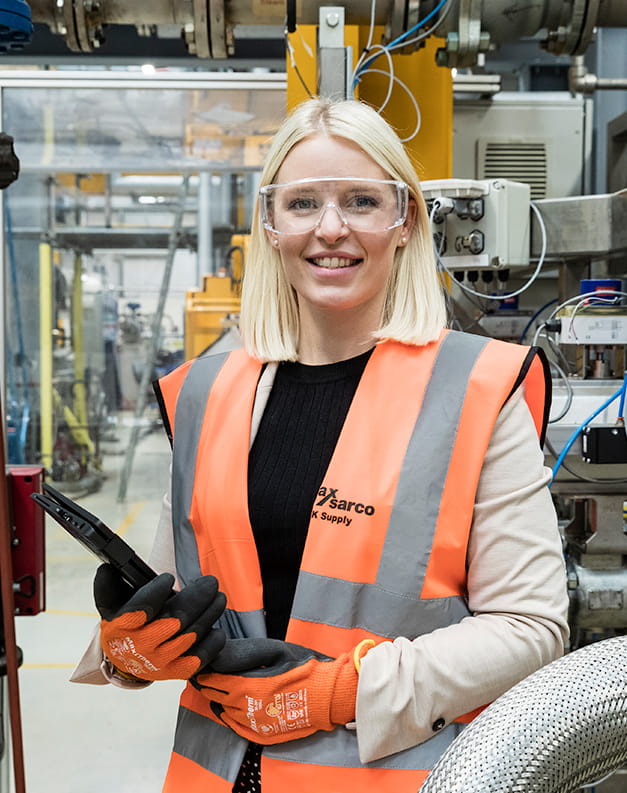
519	161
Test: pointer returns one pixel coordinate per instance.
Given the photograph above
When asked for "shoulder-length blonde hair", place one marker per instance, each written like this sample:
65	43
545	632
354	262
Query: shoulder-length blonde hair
414	309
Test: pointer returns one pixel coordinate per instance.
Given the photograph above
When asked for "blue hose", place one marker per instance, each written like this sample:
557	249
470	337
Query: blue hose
576	433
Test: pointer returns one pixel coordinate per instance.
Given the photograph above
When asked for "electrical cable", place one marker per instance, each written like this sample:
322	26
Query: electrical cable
575	298
425	34
419	24
620	419
621	404
539	333
395	79
363	65
593	480
523	288
533	318
555	349
569	394
290	15
400	40
306	46
390	74
571	327
366	49
580	428
290	50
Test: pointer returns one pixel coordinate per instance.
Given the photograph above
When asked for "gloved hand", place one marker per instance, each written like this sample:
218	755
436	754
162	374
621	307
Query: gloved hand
155	633
270	691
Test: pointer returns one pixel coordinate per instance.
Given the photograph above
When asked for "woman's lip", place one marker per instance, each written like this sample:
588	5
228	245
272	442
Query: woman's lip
334	255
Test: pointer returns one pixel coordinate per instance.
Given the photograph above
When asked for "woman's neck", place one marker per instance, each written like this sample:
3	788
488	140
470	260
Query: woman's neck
332	352
331	334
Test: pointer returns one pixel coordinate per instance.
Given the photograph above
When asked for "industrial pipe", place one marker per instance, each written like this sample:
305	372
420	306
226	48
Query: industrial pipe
469	27
580	81
560	728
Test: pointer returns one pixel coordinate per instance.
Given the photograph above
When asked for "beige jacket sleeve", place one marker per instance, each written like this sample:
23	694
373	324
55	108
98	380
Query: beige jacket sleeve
516	593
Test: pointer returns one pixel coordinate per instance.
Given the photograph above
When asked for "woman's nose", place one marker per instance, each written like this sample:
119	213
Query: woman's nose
331	224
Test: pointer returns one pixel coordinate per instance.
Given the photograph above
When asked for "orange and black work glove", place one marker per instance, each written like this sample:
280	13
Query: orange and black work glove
270	691
155	633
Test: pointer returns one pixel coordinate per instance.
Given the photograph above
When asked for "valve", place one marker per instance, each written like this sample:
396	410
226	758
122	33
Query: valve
16	26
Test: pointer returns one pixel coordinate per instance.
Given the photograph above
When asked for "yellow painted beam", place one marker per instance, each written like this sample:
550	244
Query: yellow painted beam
431	148
46	406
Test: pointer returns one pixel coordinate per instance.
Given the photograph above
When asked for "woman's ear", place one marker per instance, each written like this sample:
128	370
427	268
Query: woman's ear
410	222
272	238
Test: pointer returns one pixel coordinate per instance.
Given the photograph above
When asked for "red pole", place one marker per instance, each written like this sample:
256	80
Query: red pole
8	621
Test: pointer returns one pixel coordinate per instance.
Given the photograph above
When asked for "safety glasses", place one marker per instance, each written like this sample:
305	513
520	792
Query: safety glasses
364	205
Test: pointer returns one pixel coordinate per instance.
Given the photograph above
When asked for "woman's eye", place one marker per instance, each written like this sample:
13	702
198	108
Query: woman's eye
364	201
302	204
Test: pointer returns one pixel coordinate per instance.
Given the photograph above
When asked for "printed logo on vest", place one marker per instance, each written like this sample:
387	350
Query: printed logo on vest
332	505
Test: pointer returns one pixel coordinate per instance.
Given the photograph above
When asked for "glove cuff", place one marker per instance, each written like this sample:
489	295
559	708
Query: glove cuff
343	704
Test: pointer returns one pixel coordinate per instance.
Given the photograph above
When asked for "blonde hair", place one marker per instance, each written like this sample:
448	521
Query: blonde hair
414	309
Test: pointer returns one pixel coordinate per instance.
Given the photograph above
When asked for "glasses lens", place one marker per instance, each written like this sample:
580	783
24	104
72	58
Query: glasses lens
362	205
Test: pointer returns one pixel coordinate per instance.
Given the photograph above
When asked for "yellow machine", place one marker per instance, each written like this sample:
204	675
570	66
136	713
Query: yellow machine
214	308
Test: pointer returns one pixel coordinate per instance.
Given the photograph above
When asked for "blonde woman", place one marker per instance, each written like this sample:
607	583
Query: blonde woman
366	486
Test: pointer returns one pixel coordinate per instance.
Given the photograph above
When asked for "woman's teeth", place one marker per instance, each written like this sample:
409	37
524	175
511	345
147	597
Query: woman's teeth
334	263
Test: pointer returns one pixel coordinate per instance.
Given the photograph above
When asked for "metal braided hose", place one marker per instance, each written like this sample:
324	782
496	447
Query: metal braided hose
558	729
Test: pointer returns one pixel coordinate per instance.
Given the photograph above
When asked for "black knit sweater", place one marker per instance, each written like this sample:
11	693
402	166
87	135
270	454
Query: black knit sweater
291	452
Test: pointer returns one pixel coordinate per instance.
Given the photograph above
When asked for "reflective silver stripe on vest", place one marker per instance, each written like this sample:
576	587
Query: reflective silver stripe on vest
345	604
190	405
339	748
417	502
212	746
392	606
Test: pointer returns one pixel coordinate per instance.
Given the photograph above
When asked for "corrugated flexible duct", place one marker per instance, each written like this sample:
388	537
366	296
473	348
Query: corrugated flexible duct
556	730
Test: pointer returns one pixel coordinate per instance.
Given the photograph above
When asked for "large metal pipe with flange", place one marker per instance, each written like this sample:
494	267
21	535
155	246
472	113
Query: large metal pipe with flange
560	728
474	26
469	27
208	26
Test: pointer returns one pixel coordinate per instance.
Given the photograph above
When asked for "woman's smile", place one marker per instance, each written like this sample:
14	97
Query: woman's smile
334	261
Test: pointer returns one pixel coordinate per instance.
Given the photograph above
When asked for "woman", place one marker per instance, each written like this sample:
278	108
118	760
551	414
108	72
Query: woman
361	482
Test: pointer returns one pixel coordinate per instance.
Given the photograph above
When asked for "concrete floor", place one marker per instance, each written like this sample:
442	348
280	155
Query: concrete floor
81	738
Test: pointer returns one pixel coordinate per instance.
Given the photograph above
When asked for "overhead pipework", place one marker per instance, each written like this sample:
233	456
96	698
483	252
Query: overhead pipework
478	26
469	27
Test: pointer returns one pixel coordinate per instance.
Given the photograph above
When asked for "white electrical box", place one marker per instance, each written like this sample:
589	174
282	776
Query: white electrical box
480	224
599	328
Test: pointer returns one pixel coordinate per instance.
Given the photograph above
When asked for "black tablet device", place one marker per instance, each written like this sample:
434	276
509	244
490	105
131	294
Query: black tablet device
95	535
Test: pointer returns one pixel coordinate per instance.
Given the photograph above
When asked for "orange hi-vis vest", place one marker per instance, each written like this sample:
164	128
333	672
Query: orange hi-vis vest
385	554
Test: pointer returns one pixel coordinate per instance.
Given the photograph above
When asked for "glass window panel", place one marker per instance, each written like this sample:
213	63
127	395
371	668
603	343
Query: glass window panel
102	164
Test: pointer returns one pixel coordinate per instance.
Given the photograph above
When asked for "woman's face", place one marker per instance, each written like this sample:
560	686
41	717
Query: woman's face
333	267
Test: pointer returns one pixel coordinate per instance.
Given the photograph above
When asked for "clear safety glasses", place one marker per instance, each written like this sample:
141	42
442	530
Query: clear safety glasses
372	205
